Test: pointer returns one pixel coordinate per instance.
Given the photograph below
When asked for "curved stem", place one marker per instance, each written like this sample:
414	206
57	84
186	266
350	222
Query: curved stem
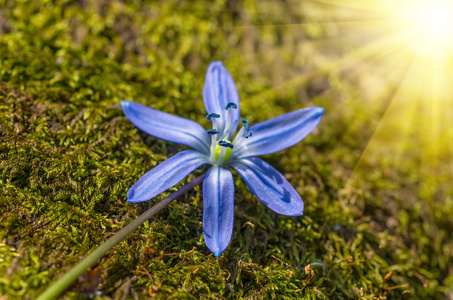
64	282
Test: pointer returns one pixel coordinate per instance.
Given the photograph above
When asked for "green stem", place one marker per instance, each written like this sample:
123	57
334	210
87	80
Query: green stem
64	282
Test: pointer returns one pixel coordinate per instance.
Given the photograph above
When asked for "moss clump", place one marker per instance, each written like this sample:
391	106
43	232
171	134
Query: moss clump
68	157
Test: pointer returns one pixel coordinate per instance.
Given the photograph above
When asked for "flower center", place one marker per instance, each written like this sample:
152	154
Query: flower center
222	149
223	145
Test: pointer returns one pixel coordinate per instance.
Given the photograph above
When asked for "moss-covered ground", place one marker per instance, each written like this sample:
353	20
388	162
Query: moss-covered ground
68	156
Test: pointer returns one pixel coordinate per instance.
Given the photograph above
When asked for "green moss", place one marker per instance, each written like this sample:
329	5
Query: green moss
68	156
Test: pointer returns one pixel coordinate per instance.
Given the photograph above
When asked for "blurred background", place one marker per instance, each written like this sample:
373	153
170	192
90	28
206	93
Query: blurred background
375	175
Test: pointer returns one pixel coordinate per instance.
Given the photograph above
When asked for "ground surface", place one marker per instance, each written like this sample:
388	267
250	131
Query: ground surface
68	156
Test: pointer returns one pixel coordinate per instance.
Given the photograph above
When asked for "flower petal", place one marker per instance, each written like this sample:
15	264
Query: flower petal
269	186
219	89
218	209
166	175
280	133
166	126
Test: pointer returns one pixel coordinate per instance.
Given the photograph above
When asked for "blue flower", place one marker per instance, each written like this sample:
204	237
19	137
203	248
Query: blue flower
221	148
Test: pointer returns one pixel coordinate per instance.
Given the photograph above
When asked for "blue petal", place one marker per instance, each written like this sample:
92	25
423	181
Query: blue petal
166	126
219	89
280	133
166	175
269	186
218	209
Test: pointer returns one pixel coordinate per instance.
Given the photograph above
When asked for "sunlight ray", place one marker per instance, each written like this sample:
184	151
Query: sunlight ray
382	132
301	24
363	5
343	62
385	94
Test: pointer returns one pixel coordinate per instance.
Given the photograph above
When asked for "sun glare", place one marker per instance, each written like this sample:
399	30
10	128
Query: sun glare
435	20
428	22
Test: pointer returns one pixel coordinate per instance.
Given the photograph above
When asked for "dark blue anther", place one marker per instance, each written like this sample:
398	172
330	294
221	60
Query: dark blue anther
231	104
247	130
248	133
226	144
212	131
213	115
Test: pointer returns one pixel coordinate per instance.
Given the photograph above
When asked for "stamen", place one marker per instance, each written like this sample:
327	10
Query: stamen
223	151
231	104
244	132
247	130
229	116
226	144
212	115
212	131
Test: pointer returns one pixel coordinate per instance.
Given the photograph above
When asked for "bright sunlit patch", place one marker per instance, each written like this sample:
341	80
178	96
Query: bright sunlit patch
433	19
429	23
